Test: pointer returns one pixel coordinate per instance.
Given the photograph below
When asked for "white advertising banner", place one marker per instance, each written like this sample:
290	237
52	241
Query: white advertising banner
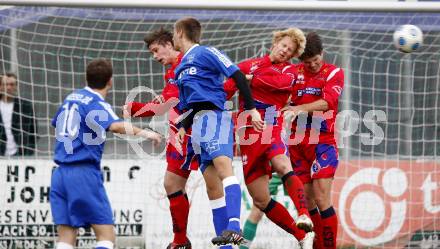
137	195
25	217
389	203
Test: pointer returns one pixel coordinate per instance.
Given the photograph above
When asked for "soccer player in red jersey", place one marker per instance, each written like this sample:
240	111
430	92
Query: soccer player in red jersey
312	146
265	151
180	160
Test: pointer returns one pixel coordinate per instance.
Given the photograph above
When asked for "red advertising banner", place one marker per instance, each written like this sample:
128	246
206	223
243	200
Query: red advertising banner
385	202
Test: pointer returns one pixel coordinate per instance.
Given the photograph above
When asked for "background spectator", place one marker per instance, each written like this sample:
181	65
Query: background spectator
17	121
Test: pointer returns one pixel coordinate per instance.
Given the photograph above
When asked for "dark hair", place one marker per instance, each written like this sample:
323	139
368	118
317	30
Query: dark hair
99	72
11	75
160	36
313	46
191	28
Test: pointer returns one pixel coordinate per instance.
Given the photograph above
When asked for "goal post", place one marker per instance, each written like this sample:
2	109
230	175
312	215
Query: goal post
386	190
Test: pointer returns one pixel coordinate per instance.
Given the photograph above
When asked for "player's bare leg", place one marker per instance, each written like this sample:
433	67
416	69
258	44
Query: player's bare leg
105	236
259	191
174	185
281	164
322	191
66	237
214	186
232	190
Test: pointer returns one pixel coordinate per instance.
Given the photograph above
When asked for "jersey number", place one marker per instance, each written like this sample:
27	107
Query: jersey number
68	128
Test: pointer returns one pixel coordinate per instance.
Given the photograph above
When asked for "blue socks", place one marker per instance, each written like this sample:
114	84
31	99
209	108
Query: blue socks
220	217
233	202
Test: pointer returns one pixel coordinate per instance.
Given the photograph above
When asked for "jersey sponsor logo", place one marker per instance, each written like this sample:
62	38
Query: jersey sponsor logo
225	60
190	71
337	89
310	91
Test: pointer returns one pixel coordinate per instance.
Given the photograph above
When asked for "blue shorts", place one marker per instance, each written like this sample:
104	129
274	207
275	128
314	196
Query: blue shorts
78	197
212	136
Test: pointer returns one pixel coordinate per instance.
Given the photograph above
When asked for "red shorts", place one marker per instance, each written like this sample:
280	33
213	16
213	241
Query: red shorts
256	156
181	164
314	161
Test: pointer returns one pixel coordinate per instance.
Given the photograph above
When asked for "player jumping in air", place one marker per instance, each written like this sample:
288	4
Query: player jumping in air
200	80
180	160
269	152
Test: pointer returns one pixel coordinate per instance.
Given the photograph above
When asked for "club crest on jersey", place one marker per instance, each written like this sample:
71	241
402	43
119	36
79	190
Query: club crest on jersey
190	58
212	146
300	79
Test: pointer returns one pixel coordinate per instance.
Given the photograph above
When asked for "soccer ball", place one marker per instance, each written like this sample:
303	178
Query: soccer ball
408	38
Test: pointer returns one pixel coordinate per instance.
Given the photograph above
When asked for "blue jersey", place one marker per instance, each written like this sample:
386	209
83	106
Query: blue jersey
80	127
200	76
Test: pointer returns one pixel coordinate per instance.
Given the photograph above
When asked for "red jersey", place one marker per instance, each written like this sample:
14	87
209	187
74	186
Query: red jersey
170	91
266	87
327	84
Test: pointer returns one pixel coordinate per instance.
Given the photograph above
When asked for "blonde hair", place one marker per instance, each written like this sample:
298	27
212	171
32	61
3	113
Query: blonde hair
297	37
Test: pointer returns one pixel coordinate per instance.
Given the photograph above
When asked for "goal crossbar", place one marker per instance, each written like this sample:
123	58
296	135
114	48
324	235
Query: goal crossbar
242	5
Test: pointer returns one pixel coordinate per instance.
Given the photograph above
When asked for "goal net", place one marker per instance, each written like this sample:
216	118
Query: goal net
386	190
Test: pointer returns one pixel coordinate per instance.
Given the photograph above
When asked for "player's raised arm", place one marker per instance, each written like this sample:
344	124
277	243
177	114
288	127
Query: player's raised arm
245	92
138	109
130	129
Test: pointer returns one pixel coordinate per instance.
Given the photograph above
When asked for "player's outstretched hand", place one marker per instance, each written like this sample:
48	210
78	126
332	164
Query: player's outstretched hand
181	135
155	137
290	113
257	122
159	99
125	112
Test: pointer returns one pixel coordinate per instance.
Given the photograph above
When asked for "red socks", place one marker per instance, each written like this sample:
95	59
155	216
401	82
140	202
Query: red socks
317	228
279	215
329	228
295	188
179	207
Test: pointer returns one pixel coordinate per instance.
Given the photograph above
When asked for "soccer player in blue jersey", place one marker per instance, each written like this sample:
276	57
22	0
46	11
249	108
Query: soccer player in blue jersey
200	78
77	194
